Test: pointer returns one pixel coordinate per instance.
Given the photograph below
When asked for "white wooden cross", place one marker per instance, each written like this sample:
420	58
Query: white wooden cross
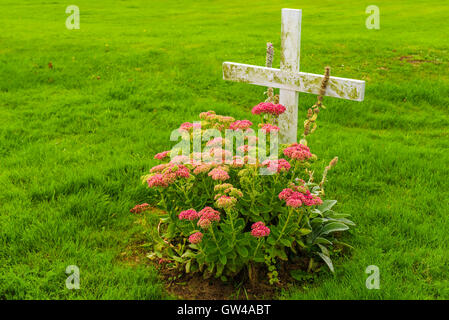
288	78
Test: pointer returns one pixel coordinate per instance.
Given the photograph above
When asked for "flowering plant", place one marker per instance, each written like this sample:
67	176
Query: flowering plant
222	216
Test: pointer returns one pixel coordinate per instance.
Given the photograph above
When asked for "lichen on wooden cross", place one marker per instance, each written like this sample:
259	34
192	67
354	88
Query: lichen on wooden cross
288	78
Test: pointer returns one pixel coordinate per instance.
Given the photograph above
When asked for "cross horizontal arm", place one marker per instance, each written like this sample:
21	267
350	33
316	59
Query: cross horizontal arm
298	81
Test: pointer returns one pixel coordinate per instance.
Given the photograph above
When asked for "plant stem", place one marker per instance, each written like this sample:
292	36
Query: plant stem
193	226
300	217
164	204
205	188
274	189
184	192
215	239
253	193
232	224
294	171
257	247
285	225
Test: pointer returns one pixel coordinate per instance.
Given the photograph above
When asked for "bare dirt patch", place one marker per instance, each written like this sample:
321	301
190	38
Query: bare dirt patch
195	287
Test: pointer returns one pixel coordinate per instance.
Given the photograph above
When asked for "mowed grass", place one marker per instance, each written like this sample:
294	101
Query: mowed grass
75	138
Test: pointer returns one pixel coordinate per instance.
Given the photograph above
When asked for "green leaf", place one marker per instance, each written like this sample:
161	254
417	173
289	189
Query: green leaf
327	260
239	224
326	205
210	268
226	228
301	244
343	244
304	231
219	272
324	249
286	242
189	254
242	251
322	241
318	220
223	260
271	240
211	257
333	227
280	253
345	221
177	259
335	215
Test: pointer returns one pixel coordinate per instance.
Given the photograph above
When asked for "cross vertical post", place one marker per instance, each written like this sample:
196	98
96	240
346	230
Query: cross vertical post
290	57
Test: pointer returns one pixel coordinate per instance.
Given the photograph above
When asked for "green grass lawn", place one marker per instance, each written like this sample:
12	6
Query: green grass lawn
75	138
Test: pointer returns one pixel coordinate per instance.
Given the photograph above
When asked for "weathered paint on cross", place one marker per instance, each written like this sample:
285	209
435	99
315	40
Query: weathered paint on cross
290	48
288	78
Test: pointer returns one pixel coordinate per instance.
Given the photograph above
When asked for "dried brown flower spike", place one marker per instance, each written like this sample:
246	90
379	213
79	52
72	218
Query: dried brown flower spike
312	114
332	164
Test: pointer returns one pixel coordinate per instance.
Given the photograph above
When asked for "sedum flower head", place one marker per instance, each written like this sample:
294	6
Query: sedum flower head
225	202
162	155
189	214
296	196
280	165
207	216
240	125
218	174
259	230
223	186
269	128
298	151
196	237
168	175
209	115
268	108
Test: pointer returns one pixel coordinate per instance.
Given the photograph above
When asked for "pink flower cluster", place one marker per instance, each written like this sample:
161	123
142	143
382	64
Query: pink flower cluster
240	124
203	168
140	208
196	237
269	128
188	215
180	159
218	155
259	229
187	126
237	162
209	115
216	142
219	174
280	165
168	175
294	198
225	119
162	155
269	108
159	167
207	216
298	151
